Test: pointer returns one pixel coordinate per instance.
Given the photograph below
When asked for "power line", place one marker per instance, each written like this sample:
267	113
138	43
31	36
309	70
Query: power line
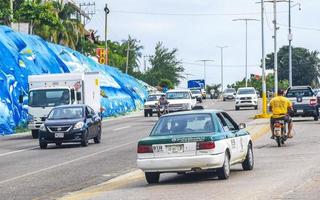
230	65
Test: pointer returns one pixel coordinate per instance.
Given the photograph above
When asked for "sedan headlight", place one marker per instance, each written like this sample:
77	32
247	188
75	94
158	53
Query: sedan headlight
42	127
79	125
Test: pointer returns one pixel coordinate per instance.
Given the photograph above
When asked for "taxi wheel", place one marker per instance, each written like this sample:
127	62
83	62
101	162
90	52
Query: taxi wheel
145	113
224	171
97	139
152	177
248	163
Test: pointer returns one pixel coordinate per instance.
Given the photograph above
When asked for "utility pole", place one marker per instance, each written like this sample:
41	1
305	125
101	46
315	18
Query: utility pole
128	54
246	62
107	11
11	13
204	67
275	29
221	54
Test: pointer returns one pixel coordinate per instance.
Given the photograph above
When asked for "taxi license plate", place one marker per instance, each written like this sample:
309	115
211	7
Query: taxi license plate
59	135
175	148
299	111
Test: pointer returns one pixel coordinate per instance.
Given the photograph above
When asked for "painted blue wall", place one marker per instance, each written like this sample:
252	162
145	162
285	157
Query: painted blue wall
22	55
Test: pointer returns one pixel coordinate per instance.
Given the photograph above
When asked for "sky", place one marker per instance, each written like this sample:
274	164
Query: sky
196	27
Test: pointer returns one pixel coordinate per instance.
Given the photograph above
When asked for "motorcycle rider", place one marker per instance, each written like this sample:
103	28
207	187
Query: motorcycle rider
280	107
163	101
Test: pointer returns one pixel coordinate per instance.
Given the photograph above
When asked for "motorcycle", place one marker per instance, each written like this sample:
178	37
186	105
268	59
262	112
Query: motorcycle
280	132
162	110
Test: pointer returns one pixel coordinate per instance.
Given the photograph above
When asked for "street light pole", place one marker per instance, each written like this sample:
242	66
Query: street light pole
275	28
204	67
127	63
107	11
246	63
221	54
290	47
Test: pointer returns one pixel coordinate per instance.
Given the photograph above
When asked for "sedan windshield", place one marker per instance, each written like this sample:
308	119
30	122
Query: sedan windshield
195	91
153	98
66	113
178	95
184	124
246	91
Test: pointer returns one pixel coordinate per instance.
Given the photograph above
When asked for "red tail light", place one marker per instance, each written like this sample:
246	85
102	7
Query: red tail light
206	145
145	149
313	102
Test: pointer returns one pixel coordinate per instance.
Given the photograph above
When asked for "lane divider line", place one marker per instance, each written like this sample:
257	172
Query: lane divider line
17	151
64	163
121	128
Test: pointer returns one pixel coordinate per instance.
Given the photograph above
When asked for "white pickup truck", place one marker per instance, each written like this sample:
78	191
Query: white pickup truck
180	100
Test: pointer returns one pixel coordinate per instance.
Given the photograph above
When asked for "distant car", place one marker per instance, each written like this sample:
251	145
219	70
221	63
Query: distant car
304	102
69	124
150	106
202	140
246	97
197	94
180	100
229	93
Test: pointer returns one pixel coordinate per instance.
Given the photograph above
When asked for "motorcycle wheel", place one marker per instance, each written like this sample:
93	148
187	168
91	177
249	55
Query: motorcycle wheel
278	139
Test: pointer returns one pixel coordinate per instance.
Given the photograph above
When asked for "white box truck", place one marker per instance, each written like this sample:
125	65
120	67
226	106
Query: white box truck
49	90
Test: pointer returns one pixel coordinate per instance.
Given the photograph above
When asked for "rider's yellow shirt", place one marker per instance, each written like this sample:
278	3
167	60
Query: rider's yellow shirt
280	106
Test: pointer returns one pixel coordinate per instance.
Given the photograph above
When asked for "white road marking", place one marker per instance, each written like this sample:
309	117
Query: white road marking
118	129
18	151
65	163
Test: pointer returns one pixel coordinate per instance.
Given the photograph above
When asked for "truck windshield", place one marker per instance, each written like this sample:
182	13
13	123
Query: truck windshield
49	98
66	113
246	91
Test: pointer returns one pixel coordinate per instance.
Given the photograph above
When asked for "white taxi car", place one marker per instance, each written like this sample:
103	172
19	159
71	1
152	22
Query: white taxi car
195	141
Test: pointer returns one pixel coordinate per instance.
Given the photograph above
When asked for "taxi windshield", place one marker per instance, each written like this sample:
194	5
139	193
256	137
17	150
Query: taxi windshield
184	124
178	95
66	113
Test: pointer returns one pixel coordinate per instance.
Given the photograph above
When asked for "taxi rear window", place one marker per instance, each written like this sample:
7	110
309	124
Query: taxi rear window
184	124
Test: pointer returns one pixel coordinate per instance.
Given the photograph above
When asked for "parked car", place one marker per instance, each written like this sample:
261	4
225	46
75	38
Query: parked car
197	95
246	97
229	93
304	102
201	140
69	124
180	100
150	106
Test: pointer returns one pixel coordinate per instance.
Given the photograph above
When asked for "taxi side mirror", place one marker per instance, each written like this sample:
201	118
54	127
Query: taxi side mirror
242	126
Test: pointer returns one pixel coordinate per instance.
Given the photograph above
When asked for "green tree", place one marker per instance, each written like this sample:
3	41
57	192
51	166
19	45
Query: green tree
165	65
5	12
305	65
166	83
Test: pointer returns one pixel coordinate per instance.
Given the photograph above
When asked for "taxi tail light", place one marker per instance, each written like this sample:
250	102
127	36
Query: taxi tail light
313	102
145	149
206	145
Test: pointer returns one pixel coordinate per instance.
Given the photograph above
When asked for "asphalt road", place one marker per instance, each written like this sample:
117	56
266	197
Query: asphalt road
27	172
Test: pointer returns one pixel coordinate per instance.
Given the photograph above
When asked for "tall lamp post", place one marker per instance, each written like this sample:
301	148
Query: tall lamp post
204	67
107	11
221	54
246	65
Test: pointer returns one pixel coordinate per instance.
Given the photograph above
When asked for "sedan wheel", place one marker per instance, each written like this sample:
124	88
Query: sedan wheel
97	139
224	172
43	145
85	140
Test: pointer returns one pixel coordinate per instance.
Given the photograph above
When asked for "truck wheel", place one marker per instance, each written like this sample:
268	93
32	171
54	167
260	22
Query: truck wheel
237	108
152	177
151	113
43	145
34	134
248	163
200	101
145	113
316	118
224	99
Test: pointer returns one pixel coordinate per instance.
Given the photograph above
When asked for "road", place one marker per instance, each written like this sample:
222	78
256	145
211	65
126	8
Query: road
26	172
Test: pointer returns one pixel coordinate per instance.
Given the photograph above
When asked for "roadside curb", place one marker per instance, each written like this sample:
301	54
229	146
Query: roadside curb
256	128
